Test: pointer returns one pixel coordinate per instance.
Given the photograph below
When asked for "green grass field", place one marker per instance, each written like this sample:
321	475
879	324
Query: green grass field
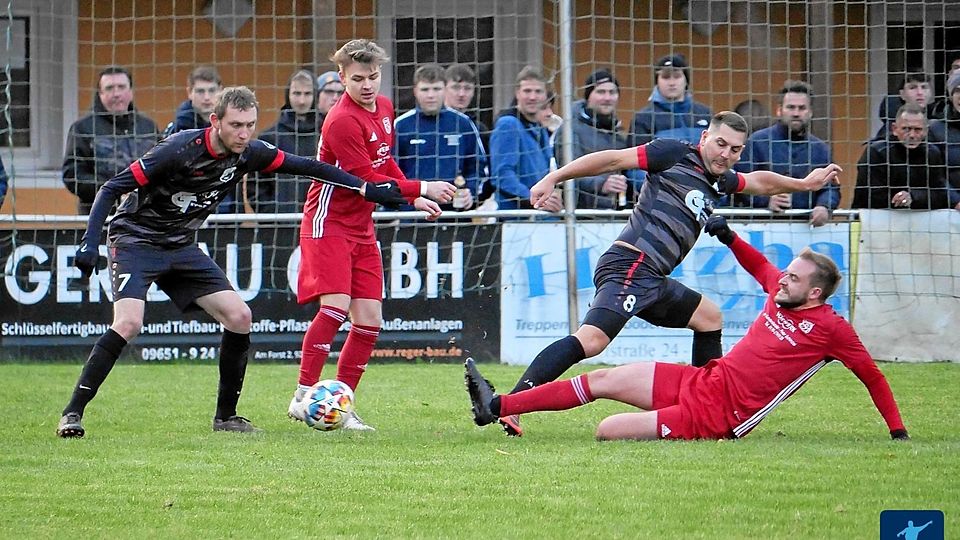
822	466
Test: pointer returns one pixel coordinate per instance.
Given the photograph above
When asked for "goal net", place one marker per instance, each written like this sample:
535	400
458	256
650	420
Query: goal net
493	284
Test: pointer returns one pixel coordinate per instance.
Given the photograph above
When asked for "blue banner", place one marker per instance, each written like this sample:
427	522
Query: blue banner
534	289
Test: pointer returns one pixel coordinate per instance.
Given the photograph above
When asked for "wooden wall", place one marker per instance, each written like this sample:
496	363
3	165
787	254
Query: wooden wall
163	41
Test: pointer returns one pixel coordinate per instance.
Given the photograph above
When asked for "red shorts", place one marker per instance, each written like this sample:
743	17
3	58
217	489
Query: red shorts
339	266
689	403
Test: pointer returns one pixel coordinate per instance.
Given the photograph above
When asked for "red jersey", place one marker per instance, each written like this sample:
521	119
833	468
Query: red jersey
784	348
359	142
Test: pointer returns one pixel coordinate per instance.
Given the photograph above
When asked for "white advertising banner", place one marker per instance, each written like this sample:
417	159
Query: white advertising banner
534	285
908	285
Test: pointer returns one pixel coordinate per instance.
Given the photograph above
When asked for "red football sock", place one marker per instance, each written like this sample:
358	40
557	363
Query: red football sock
356	353
553	396
316	343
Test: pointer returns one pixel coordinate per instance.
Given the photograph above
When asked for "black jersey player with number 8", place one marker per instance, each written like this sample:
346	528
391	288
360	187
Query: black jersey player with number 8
632	276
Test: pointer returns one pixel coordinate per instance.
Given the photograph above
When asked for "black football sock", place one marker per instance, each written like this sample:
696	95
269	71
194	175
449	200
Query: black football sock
551	363
495	405
706	347
233	367
101	360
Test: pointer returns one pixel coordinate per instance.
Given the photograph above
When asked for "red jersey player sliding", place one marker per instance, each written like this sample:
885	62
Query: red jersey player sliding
796	334
340	262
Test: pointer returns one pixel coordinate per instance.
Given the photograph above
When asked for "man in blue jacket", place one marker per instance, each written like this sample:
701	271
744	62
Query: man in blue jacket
520	146
203	85
672	112
788	148
435	142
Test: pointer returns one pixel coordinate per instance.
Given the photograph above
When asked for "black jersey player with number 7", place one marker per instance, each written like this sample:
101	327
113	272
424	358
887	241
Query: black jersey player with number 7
169	192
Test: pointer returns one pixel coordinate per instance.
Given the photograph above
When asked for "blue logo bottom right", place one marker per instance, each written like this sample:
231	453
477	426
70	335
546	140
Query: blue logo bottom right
911	525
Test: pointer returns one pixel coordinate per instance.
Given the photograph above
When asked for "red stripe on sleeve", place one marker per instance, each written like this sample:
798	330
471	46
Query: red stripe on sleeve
208	141
741	182
642	157
277	161
137	169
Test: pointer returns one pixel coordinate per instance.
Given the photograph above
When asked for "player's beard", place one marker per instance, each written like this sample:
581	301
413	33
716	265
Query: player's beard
790	304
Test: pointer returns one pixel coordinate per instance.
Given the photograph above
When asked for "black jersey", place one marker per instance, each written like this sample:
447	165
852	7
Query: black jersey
179	182
674	203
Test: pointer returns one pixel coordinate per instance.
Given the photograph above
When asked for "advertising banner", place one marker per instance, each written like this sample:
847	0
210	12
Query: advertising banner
534	291
441	300
908	285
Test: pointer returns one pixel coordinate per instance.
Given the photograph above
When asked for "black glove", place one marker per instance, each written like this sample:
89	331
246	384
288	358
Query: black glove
899	435
87	257
385	193
717	226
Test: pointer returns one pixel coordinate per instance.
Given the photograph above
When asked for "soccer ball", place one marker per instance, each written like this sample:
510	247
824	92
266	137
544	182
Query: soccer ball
327	404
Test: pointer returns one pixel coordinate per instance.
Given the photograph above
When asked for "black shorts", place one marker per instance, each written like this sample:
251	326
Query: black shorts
185	274
629	287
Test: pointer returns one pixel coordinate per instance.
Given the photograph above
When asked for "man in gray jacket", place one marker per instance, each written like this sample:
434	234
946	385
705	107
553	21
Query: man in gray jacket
596	127
106	141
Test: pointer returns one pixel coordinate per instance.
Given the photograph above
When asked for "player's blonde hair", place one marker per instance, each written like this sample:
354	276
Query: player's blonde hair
827	275
238	97
359	50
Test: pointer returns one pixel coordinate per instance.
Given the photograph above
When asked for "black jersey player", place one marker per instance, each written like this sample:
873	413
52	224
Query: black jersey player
632	276
169	192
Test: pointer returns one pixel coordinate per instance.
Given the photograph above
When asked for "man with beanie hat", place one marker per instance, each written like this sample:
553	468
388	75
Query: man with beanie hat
672	112
596	127
938	109
947	129
329	90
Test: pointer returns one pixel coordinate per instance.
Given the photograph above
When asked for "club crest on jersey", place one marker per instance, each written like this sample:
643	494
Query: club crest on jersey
183	200
227	174
387	124
805	326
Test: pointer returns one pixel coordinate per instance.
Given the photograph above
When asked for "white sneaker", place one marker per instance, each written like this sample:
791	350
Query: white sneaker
295	411
354	423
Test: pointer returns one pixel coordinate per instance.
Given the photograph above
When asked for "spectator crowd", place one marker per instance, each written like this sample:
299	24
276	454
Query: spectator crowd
912	161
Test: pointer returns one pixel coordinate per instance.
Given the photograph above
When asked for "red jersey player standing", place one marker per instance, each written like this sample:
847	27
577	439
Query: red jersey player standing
340	262
796	334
